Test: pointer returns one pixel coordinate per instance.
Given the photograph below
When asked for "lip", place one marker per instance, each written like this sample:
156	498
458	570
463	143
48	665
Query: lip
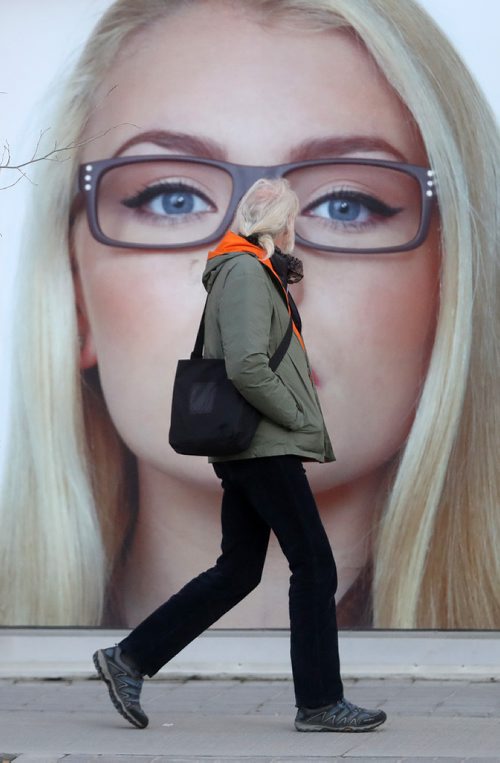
315	378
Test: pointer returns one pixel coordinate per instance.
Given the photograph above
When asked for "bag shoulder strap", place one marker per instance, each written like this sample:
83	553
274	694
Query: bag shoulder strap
200	336
282	347
274	361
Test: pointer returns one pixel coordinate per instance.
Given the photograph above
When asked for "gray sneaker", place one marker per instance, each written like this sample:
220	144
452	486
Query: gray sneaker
343	716
124	684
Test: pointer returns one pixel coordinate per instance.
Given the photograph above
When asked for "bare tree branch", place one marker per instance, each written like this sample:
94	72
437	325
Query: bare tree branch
5	187
5	154
54	155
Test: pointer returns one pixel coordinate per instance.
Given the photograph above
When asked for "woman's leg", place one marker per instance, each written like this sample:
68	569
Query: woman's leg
258	494
278	489
202	601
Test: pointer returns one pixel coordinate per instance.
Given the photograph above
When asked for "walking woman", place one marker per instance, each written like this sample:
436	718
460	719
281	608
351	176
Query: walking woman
265	487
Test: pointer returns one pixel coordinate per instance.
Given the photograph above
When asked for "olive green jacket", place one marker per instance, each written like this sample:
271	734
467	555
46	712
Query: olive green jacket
245	320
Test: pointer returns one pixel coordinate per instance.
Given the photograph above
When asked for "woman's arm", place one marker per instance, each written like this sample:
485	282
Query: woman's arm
245	313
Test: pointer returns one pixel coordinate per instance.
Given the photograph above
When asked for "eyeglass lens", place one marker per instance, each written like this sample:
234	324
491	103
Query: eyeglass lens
345	206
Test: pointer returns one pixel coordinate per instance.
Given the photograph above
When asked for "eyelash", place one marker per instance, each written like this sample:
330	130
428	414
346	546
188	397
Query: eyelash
371	203
151	192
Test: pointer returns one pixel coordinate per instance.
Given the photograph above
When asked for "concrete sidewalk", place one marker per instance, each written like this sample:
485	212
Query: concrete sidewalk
252	721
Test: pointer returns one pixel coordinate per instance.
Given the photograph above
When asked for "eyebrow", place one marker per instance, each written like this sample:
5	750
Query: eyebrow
177	141
333	147
315	148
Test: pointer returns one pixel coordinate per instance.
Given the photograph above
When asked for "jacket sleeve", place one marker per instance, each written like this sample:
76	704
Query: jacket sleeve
245	313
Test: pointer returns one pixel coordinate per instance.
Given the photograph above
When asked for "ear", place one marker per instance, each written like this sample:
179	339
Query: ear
88	356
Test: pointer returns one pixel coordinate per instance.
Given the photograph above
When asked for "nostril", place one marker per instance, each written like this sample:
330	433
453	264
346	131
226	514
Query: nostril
297	292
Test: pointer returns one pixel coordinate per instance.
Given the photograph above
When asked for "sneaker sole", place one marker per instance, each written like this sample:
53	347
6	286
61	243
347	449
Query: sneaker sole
301	726
103	673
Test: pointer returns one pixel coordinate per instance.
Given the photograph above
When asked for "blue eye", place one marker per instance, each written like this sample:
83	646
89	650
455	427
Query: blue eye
177	203
343	209
168	200
349	207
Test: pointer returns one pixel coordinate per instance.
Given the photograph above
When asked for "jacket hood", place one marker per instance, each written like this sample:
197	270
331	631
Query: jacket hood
231	246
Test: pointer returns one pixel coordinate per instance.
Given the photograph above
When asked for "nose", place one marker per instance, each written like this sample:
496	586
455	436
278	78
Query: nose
297	291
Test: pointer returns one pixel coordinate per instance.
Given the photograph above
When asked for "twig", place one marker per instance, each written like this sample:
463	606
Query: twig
49	156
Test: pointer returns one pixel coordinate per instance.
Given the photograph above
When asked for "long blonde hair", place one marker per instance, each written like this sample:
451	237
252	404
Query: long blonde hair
68	499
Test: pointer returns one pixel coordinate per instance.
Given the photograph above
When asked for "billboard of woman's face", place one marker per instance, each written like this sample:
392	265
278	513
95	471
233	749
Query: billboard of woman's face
122	519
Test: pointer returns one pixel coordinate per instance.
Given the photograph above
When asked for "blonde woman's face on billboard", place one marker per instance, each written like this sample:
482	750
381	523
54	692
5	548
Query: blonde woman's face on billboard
259	94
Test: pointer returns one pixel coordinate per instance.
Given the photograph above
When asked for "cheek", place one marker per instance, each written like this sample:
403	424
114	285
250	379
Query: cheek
369	326
136	306
391	316
143	312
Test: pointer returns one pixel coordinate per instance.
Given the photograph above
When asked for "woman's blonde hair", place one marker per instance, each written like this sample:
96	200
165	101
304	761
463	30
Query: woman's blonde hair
68	499
267	210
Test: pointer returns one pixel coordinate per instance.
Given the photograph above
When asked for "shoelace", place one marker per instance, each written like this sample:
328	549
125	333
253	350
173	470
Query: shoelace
349	705
343	710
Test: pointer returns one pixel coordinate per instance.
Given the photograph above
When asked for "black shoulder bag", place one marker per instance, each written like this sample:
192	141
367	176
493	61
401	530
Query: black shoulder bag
209	416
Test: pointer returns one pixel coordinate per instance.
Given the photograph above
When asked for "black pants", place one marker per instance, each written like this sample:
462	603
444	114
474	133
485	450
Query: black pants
259	494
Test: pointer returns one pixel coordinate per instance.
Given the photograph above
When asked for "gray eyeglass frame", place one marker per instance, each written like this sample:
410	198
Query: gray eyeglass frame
243	177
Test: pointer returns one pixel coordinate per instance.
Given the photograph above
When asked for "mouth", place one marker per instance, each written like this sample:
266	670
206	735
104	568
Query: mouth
315	378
